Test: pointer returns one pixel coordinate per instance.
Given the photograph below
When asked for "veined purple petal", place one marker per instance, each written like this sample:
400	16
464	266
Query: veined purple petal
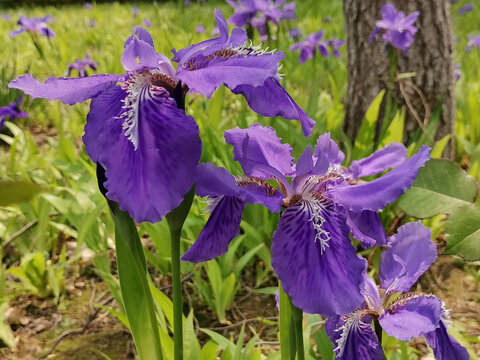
353	338
328	148
222	226
389	13
375	194
367	227
313	257
150	171
411	315
271	99
231	72
259	145
444	346
104	110
412	245
67	90
304	163
389	157
371	294
215	181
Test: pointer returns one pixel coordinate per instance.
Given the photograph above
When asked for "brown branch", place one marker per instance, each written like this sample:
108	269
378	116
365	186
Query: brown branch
240	323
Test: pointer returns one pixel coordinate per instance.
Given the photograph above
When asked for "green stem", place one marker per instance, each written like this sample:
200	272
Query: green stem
287	337
175	220
297	317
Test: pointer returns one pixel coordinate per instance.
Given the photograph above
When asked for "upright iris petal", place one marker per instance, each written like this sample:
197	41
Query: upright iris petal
229	60
136	130
312	252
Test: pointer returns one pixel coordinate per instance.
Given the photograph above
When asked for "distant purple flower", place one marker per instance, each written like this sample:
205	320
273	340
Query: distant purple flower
312	253
295	34
147	23
81	66
200	29
136	130
453	1
215	31
250	71
334	45
398	29
309	46
34	25
6	17
88	6
326	19
465	9
135	11
458	73
12	111
187	3
473	41
410	253
92	23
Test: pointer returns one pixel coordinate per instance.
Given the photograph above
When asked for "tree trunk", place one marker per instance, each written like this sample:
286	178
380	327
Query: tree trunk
431	57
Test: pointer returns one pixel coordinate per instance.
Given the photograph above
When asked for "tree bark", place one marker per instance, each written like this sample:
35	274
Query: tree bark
431	57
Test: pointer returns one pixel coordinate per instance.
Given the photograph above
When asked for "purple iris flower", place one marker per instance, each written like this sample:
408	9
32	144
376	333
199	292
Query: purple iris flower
244	69
135	11
309	46
473	41
81	66
149	147
465	9
6	17
92	23
334	46
398	29
88	6
266	10
147	23
12	111
458	72
200	29
34	25
295	34
410	253
311	250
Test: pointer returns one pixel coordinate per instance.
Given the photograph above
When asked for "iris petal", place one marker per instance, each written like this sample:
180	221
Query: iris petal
322	276
444	346
367	227
67	90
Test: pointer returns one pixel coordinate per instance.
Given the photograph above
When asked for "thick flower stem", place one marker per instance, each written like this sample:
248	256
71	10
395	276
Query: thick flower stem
287	329
297	317
378	331
175	220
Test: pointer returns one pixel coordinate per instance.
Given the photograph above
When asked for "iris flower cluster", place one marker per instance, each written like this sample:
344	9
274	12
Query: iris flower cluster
258	14
137	128
396	27
12	111
309	46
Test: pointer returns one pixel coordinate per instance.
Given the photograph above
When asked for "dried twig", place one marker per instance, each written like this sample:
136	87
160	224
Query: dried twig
240	323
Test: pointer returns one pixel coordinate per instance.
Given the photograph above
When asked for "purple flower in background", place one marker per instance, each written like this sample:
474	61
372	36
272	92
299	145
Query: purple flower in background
465	9
458	72
147	23
92	23
397	28
187	3
200	29
215	31
326	19
453	1
295	34
6	17
334	45
34	25
88	6
311	250
12	111
473	41
410	253
81	66
250	71
309	46
135	11
135	129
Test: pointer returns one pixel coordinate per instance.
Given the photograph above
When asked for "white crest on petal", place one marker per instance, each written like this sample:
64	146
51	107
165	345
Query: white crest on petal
351	321
211	203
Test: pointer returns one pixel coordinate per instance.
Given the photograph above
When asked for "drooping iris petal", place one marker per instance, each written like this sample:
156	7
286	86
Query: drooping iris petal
313	257
412	245
104	110
411	315
389	157
67	90
367	227
271	99
444	346
353	338
222	226
375	194
259	145
148	175
207	75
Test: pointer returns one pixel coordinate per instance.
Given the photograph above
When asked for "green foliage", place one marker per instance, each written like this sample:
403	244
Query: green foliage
463	233
12	192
